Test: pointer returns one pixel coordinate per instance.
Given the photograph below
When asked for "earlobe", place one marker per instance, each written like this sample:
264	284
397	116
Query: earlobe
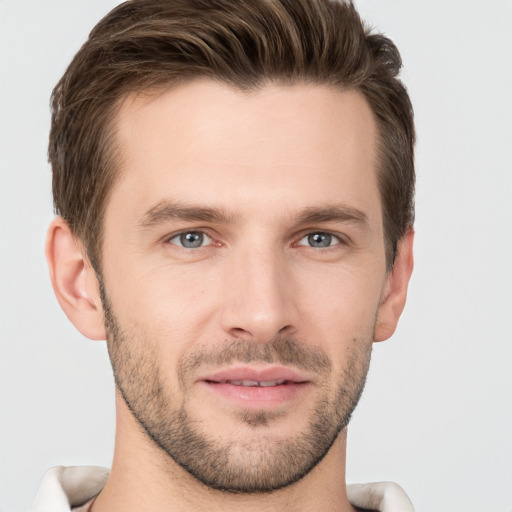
395	292
74	281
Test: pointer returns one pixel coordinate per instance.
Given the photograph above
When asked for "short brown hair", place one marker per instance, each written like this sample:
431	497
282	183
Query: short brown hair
144	44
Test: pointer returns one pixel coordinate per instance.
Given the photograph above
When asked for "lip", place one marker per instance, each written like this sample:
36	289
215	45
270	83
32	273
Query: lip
265	374
292	384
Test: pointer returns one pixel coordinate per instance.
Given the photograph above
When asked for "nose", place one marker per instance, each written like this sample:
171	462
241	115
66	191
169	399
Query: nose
259	299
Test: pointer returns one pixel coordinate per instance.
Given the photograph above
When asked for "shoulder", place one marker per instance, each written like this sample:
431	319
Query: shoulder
65	487
379	496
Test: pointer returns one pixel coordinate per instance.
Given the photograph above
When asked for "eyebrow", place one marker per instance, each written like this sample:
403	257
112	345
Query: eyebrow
333	213
166	211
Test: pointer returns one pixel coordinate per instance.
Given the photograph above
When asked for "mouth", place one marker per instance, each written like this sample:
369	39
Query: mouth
257	388
252	383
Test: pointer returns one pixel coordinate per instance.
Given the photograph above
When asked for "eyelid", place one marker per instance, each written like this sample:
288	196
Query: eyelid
168	238
341	238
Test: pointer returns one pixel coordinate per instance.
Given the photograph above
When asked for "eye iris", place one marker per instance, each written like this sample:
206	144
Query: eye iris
319	239
191	240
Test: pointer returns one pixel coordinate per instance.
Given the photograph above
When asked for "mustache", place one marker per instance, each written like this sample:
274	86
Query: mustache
285	351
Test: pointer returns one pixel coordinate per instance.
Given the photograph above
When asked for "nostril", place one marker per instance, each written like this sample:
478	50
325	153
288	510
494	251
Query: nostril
238	332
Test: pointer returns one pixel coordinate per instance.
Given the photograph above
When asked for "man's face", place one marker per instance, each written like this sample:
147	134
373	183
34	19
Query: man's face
243	269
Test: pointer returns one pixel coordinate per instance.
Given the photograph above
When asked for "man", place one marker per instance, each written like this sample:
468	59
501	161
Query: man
234	188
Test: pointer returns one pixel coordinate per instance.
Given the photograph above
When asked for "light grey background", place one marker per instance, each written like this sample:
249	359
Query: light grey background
436	415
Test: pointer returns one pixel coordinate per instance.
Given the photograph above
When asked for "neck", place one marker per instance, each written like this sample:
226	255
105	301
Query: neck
143	477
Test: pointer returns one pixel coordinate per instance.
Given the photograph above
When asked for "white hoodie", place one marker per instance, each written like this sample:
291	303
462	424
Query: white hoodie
66	489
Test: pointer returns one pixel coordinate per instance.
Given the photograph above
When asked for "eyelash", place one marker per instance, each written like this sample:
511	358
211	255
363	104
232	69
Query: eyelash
337	238
189	232
332	236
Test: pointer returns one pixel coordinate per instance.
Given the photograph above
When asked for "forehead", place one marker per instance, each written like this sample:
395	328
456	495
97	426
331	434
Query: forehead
279	147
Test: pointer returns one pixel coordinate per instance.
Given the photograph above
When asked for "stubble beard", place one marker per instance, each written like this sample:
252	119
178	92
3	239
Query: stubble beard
261	463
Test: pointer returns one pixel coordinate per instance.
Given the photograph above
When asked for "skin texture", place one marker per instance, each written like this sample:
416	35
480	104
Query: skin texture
278	189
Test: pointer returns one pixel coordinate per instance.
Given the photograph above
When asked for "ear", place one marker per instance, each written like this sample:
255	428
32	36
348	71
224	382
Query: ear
74	281
395	290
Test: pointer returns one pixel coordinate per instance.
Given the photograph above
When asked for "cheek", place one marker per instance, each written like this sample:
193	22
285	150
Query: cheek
166	298
168	313
340	308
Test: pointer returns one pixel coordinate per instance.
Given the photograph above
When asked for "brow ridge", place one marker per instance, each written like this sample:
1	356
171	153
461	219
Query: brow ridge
330	213
167	210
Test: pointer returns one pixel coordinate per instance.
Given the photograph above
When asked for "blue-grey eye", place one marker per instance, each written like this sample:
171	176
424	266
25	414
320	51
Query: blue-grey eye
190	239
319	240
